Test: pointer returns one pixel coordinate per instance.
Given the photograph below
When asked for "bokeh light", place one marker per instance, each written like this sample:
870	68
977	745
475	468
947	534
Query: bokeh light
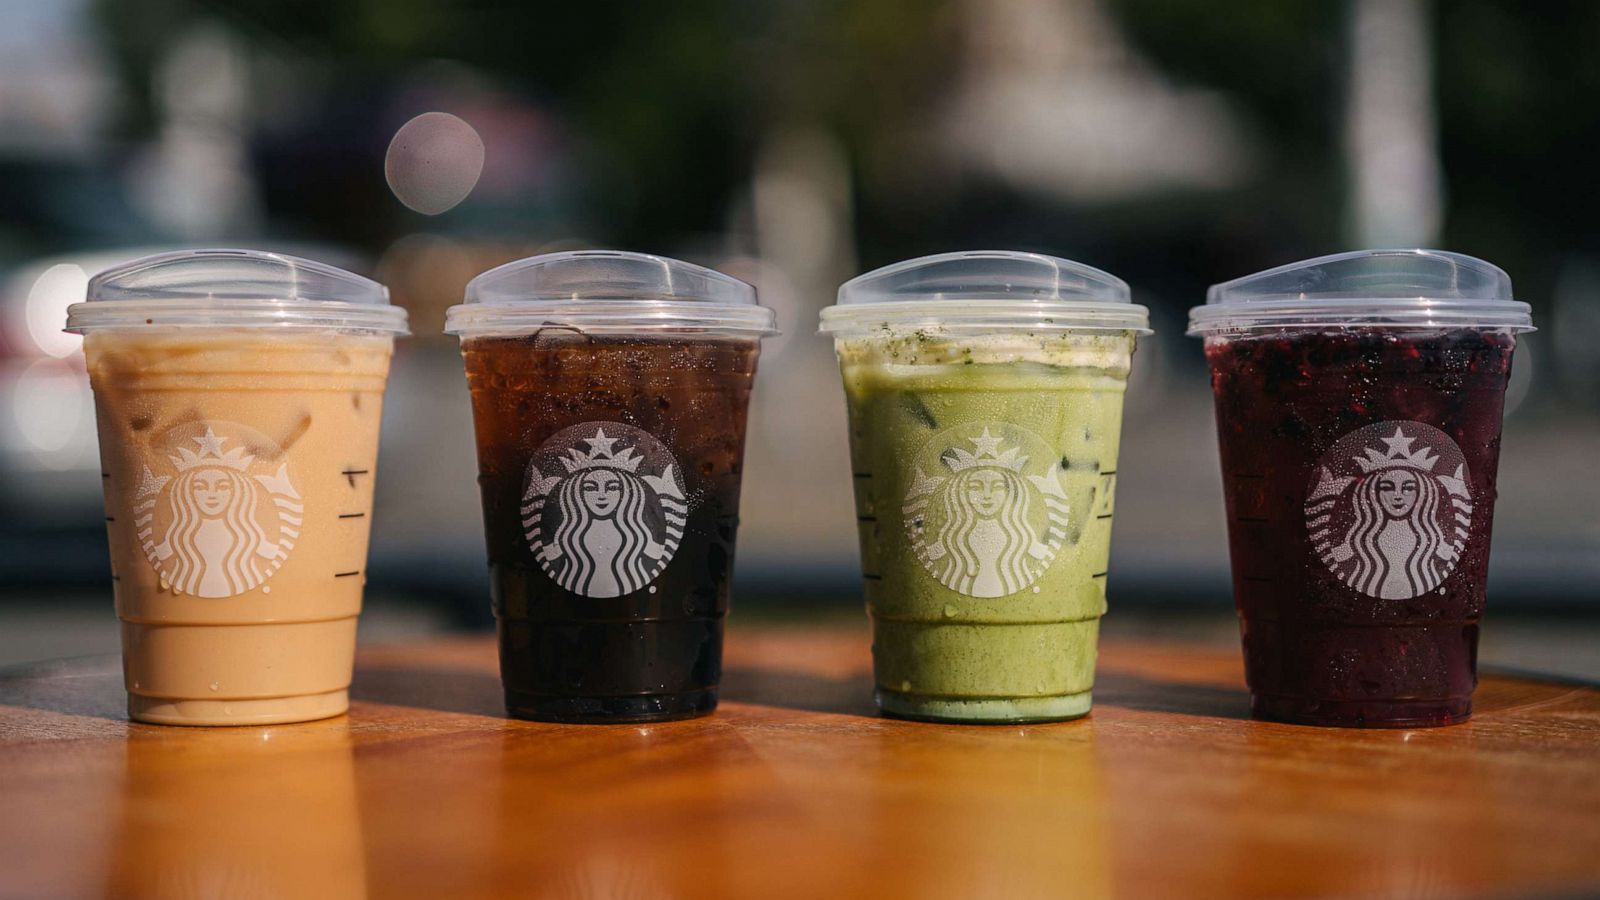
45	312
434	162
49	405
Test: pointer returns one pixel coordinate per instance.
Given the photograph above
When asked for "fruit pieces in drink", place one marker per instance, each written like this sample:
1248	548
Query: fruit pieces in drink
1323	644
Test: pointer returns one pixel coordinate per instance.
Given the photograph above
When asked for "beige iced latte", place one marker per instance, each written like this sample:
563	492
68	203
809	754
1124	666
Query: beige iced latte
238	466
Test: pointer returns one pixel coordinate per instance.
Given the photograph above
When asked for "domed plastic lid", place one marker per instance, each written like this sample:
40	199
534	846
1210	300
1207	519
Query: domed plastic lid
985	291
235	289
609	292
1366	288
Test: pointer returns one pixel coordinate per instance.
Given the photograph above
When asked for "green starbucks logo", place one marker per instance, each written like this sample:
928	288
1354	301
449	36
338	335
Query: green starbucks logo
986	512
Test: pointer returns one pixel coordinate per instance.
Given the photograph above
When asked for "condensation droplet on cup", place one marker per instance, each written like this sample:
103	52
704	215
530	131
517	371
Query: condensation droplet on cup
215	686
433	162
949	611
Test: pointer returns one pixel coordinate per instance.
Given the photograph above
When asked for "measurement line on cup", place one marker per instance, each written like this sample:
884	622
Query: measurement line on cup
346	574
860	474
1112	472
110	519
352	515
866	518
352	473
1099	574
870	577
1105	515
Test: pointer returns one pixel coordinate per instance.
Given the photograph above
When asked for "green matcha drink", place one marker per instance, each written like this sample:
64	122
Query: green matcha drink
985	406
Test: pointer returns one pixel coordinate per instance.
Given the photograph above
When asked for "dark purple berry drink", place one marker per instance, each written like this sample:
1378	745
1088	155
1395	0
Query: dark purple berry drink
1356	612
1358	463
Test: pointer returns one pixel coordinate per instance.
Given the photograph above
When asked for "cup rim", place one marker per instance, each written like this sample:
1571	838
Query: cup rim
252	315
616	316
996	315
1221	319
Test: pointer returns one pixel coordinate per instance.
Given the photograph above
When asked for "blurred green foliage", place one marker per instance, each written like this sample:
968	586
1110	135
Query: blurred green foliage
666	105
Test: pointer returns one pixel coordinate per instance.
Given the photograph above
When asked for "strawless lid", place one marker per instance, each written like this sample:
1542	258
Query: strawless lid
234	289
1366	288
608	291
985	291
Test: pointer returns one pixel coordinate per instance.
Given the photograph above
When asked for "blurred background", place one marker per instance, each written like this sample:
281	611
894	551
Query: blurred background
1176	143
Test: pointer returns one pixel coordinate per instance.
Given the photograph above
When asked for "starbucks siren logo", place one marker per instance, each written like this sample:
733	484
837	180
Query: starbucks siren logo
1383	514
598	521
986	521
213	525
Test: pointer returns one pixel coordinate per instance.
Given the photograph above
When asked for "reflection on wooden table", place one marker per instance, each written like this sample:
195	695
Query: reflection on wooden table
794	788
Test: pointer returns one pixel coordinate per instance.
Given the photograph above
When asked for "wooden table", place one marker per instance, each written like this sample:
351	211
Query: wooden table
794	788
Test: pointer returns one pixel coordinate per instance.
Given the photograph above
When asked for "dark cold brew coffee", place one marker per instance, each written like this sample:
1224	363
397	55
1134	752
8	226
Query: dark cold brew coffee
610	470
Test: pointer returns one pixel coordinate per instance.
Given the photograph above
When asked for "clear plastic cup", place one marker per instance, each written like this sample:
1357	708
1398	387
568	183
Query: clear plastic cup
1358	402
609	394
985	406
238	397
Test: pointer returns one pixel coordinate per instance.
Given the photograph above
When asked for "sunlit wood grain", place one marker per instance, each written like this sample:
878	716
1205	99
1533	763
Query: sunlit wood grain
794	788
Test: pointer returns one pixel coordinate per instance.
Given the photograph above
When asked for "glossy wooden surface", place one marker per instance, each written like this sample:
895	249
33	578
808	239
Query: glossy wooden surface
794	788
